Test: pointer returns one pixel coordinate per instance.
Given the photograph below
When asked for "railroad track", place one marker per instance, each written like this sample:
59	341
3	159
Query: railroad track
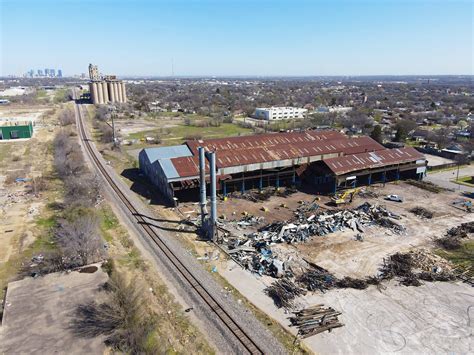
242	337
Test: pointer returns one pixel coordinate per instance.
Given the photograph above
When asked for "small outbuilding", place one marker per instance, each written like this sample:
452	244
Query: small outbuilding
15	129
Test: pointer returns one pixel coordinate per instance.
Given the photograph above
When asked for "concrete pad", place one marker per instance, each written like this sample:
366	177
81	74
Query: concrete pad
38	312
434	160
434	318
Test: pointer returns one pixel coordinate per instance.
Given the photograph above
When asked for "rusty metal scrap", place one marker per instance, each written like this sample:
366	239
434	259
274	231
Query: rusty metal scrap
283	292
422	212
253	251
315	319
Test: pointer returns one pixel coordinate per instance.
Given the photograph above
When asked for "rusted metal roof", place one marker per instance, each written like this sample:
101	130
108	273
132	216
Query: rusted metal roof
256	149
349	163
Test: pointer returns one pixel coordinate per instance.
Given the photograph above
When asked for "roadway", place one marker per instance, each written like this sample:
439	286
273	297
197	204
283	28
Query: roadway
228	325
443	178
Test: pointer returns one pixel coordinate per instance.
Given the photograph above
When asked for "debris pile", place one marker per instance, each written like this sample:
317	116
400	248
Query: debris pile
283	292
422	212
249	220
368	194
453	238
263	195
314	320
253	251
415	265
426	185
317	279
350	282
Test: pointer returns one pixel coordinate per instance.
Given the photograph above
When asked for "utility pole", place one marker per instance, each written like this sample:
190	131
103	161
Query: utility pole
457	176
113	129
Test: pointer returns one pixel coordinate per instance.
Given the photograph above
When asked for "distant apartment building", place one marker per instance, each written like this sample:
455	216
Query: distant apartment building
279	113
60	73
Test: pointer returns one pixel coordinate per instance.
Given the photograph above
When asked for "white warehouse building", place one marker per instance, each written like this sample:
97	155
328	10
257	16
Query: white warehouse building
279	113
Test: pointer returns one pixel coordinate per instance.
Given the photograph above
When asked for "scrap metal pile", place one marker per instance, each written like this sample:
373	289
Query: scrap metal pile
453	238
264	194
422	212
253	250
283	292
416	265
314	320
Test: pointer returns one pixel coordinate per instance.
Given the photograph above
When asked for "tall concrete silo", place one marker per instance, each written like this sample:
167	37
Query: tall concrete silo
93	92
100	94
105	93
116	93
110	86
124	93
119	89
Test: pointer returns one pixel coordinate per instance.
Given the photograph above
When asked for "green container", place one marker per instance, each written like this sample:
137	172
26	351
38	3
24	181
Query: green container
16	131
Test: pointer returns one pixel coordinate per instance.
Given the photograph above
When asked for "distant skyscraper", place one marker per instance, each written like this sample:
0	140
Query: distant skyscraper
39	72
60	73
52	73
46	72
31	73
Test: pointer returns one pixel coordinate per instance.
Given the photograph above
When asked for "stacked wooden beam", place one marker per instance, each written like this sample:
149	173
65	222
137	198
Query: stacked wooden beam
314	320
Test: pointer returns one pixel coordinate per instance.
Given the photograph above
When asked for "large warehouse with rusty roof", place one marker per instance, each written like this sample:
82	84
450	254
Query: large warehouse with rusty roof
329	160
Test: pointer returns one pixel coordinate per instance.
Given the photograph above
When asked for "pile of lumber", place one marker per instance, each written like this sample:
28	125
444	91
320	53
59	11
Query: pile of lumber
314	320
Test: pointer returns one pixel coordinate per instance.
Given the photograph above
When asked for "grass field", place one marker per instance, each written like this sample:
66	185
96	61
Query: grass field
174	135
463	256
465	180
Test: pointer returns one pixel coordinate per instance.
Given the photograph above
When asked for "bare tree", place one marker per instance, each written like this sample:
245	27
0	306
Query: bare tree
67	117
79	239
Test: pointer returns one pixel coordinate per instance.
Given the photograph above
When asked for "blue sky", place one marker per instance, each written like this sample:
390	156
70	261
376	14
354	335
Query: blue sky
230	37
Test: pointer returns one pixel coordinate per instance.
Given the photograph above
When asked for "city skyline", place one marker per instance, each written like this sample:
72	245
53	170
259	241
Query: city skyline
210	38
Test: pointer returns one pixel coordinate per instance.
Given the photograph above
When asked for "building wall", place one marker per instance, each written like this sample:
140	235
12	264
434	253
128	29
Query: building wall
23	131
155	174
279	113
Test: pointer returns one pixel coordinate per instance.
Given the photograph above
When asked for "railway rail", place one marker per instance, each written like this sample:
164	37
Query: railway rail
240	334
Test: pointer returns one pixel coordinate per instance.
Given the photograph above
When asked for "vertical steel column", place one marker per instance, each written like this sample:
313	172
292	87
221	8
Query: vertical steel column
202	183
370	179
243	183
213	193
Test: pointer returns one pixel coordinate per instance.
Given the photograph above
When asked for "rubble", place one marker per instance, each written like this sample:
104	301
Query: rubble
422	212
452	239
349	282
415	265
365	193
253	251
283	292
317	278
314	320
264	195
427	185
